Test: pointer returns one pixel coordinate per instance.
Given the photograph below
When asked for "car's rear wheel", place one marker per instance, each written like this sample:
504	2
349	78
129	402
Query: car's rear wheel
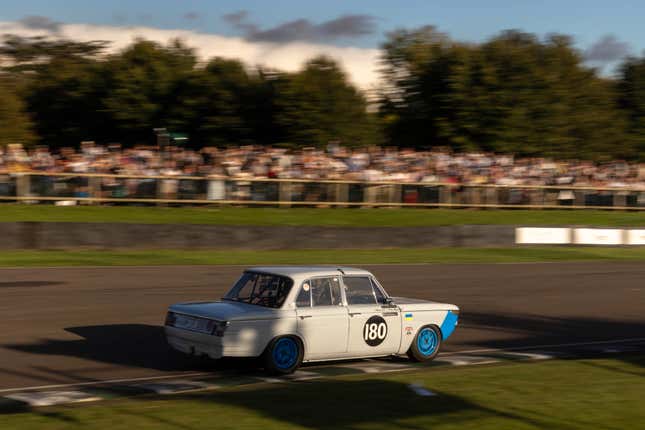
426	344
283	355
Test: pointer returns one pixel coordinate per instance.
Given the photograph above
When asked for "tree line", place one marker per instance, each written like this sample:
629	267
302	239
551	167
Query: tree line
514	93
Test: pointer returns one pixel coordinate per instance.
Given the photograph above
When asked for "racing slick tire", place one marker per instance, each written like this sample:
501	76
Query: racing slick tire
283	355
425	345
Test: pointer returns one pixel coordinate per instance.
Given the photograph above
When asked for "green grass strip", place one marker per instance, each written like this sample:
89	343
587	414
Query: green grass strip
316	217
318	256
567	394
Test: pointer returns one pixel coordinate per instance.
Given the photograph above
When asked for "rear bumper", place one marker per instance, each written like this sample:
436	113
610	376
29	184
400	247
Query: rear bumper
194	343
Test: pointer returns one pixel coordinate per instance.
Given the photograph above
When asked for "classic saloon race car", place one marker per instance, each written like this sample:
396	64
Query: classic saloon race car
290	315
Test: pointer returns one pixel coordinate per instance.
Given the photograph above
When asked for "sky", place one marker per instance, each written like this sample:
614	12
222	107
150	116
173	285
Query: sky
284	33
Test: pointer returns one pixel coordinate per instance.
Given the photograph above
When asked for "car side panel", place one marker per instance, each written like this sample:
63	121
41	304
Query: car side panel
361	316
412	321
249	338
324	331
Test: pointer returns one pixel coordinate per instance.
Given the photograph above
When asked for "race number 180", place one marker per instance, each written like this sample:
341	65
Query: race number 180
375	331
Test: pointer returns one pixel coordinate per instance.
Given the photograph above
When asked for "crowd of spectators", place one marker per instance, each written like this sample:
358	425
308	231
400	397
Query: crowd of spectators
332	163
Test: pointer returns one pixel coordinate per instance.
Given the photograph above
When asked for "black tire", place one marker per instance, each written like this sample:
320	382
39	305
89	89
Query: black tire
283	355
426	344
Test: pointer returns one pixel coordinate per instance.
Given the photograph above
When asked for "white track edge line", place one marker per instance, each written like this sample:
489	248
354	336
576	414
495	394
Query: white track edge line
189	375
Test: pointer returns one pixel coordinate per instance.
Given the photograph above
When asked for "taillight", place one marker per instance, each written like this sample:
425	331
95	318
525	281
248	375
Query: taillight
170	319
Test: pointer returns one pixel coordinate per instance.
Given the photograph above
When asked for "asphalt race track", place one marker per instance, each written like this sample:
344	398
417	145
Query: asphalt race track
76	325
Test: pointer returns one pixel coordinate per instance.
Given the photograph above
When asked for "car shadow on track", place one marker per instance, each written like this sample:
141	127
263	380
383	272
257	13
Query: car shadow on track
138	345
144	346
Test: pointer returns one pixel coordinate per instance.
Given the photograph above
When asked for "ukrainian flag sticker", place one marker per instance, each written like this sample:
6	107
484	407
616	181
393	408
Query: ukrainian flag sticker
408	317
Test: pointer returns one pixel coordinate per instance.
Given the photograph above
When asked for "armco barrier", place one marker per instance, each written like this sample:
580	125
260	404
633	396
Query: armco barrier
578	236
542	236
597	236
46	235
635	237
55	235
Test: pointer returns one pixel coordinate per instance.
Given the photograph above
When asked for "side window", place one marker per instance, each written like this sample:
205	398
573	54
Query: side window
325	292
380	297
359	290
304	297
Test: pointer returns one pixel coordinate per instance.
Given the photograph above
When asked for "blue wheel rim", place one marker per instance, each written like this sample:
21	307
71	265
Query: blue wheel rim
427	341
285	353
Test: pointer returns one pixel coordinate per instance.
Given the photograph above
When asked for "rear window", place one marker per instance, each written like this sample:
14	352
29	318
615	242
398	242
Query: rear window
320	292
260	289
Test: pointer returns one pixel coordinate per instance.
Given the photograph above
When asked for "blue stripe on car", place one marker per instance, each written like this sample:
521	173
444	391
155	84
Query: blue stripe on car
448	325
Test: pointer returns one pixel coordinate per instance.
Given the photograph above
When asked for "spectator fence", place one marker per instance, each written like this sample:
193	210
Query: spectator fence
96	189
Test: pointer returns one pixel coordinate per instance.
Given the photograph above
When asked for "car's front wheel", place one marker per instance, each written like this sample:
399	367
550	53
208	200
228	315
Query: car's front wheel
283	355
426	344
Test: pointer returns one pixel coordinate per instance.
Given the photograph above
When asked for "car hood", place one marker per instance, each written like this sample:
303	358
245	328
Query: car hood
225	310
408	304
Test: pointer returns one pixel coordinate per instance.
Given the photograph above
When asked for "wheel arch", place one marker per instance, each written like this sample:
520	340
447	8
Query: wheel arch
296	336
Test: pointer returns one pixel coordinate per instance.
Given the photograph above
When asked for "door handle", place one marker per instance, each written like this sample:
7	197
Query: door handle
302	317
351	314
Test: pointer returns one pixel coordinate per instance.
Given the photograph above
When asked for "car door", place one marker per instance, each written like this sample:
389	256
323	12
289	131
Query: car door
374	325
322	318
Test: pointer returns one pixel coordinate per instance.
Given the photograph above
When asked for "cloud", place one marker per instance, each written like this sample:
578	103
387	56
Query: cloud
607	49
345	26
192	16
38	22
361	64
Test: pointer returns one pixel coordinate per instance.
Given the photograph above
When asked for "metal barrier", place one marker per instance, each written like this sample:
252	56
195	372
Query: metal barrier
91	188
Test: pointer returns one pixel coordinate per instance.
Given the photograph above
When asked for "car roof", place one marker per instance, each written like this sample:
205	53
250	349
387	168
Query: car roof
307	271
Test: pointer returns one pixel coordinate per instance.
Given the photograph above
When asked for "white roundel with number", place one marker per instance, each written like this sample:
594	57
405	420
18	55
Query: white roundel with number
375	331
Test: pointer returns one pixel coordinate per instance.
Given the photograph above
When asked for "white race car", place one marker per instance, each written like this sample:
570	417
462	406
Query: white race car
291	315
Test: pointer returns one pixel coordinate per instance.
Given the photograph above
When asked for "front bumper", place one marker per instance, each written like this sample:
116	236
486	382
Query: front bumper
193	343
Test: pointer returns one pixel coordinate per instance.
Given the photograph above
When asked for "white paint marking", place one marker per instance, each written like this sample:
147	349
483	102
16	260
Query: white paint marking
302	375
535	347
53	397
270	380
421	390
370	369
105	382
175	386
529	355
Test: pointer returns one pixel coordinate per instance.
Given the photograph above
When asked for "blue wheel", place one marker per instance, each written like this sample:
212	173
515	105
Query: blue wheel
426	343
283	355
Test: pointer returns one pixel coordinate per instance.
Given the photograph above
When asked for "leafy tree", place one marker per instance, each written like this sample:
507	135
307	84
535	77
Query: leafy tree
631	99
513	93
318	105
211	104
31	54
16	125
140	84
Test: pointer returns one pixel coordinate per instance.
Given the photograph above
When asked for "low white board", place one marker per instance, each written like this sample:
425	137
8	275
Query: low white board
542	236
597	236
635	237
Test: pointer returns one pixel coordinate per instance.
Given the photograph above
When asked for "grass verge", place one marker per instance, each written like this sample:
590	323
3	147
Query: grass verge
316	217
583	394
318	256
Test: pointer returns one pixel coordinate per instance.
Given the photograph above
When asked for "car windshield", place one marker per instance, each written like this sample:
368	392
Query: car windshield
260	289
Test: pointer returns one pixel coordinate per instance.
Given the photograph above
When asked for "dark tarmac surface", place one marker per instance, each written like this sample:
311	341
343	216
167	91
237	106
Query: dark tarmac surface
71	325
